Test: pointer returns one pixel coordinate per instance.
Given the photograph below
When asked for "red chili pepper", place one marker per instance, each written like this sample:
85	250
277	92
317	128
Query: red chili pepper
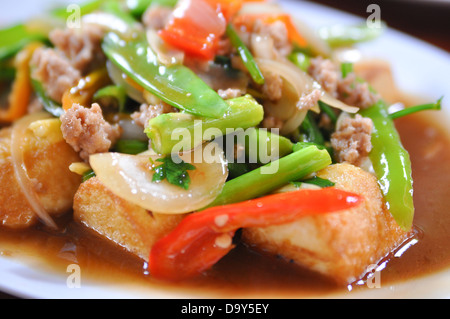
203	238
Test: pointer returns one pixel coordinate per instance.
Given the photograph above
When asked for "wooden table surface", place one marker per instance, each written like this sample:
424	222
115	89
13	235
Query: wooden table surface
427	20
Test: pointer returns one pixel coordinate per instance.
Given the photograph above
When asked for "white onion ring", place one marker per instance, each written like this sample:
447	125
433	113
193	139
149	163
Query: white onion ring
20	171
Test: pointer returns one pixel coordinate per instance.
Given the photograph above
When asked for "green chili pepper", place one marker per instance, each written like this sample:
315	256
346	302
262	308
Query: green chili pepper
391	164
245	55
176	85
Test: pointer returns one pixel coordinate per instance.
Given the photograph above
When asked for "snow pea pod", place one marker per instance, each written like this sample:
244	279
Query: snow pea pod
15	38
176	85
391	164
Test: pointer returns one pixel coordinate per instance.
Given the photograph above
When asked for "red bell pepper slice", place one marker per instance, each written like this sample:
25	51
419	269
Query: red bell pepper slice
203	238
197	25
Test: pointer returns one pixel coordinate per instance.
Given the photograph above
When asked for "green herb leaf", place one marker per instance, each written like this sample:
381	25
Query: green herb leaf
175	172
321	182
88	175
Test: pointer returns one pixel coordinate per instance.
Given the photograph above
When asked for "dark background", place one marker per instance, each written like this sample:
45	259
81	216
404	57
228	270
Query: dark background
427	20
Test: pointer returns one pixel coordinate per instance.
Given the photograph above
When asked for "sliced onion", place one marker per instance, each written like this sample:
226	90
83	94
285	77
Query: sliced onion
202	16
302	84
130	177
20	170
315	43
165	54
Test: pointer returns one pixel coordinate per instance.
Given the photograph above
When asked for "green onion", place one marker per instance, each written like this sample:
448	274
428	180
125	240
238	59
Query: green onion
417	108
311	130
328	110
245	55
346	68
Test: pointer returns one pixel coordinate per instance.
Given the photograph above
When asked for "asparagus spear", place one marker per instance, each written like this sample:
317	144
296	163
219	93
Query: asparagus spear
289	168
175	132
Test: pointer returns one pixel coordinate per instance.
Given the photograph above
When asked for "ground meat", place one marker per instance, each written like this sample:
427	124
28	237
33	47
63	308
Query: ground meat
356	93
230	93
326	73
156	17
81	46
278	32
349	90
54	71
308	101
147	112
271	122
352	139
86	130
273	86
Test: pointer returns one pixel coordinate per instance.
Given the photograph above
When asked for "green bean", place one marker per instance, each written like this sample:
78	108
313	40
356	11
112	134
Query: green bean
260	146
257	183
244	112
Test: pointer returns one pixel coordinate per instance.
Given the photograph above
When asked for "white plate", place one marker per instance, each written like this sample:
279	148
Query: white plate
418	68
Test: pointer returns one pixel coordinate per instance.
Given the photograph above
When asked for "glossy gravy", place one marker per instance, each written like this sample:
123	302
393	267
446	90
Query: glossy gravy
244	272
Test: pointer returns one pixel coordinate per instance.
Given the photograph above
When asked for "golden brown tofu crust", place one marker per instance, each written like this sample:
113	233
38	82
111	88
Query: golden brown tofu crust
339	245
47	164
113	218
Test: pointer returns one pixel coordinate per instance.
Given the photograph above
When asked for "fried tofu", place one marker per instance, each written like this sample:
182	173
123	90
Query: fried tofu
338	245
127	225
47	158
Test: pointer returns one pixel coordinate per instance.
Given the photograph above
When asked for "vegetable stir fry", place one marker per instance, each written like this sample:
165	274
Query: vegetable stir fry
228	114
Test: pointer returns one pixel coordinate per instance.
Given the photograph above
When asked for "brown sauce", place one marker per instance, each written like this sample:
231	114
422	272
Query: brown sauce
244	272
